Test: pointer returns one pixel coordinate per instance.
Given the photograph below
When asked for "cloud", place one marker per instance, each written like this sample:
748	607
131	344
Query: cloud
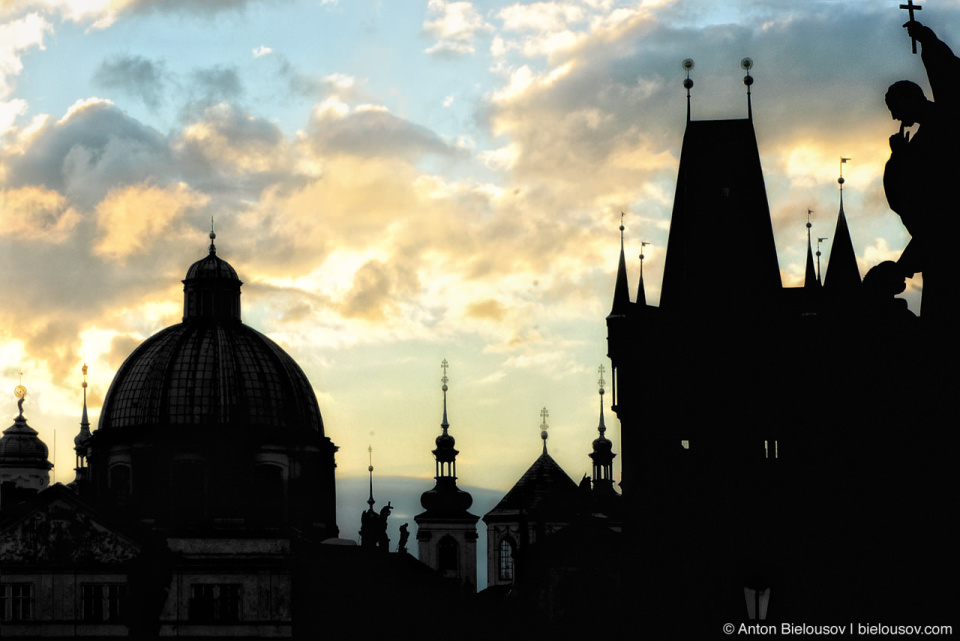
262	51
135	75
377	288
91	150
455	26
15	38
34	212
128	217
369	130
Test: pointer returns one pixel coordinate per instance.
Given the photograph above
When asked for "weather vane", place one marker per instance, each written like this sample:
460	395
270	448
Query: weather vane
910	7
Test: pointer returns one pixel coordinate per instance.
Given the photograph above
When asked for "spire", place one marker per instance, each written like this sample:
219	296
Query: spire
544	427
747	64
81	439
843	259
687	66
445	498
602	454
621	291
641	294
213	236
370	500
811	278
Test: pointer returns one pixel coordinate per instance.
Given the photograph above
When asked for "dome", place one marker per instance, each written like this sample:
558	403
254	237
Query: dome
211	369
21	446
210	373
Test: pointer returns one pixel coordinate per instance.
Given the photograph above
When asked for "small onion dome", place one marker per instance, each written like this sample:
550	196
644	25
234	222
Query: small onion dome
445	451
211	288
21	447
446	498
602	445
80	440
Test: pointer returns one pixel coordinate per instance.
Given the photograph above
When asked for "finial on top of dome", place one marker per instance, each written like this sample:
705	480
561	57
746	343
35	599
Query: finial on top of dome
601	383
444	365
213	236
21	393
543	427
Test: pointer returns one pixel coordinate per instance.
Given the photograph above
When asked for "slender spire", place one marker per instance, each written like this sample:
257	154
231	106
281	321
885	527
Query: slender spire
747	64
843	259
80	440
444	365
641	293
213	236
811	278
602	454
370	500
687	66
544	427
621	291
820	240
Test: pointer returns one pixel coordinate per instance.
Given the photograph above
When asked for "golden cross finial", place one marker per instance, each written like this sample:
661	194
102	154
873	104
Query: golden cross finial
444	365
601	382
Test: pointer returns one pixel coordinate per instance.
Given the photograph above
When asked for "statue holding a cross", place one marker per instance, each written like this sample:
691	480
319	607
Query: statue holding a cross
921	177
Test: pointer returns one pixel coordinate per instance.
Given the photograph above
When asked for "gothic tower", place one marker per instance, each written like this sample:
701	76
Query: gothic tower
446	531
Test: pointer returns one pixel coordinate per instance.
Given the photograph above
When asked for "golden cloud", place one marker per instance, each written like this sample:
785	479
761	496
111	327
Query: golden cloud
37	213
129	216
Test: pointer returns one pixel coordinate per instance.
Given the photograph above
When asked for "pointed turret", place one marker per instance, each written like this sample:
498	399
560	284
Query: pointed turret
602	454
843	275
621	290
446	531
811	279
641	293
83	437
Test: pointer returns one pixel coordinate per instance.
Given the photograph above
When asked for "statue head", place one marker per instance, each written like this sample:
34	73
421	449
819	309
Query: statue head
906	102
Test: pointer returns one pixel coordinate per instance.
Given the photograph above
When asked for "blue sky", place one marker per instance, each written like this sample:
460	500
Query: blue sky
399	182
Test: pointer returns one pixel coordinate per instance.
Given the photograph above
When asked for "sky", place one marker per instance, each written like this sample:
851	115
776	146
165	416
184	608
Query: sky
399	182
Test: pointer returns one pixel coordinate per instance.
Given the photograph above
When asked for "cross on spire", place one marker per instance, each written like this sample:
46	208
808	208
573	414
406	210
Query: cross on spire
910	7
543	427
601	383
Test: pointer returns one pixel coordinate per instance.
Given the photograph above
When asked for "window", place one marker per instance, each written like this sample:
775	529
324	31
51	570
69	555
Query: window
214	603
17	602
101	601
506	560
449	552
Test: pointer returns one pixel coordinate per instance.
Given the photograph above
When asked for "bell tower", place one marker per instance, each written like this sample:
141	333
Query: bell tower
446	531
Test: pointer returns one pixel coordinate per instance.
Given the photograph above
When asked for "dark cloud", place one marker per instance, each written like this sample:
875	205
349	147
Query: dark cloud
137	76
95	148
375	132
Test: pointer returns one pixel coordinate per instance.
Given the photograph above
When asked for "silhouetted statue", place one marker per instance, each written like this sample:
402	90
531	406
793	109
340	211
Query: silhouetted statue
404	535
880	288
921	177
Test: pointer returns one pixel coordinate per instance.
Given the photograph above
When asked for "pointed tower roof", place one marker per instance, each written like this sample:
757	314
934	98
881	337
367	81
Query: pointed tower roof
843	275
80	440
621	291
810	280
721	200
641	293
544	491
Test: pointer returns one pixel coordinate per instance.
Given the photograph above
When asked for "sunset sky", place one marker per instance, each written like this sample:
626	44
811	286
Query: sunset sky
402	181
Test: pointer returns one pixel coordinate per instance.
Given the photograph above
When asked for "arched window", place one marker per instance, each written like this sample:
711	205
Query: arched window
448	554
505	554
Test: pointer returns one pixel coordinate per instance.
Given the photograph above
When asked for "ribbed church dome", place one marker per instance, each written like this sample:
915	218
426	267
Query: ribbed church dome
204	372
211	369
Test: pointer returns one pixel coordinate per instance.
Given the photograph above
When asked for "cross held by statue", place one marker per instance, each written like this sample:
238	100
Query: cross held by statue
910	7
